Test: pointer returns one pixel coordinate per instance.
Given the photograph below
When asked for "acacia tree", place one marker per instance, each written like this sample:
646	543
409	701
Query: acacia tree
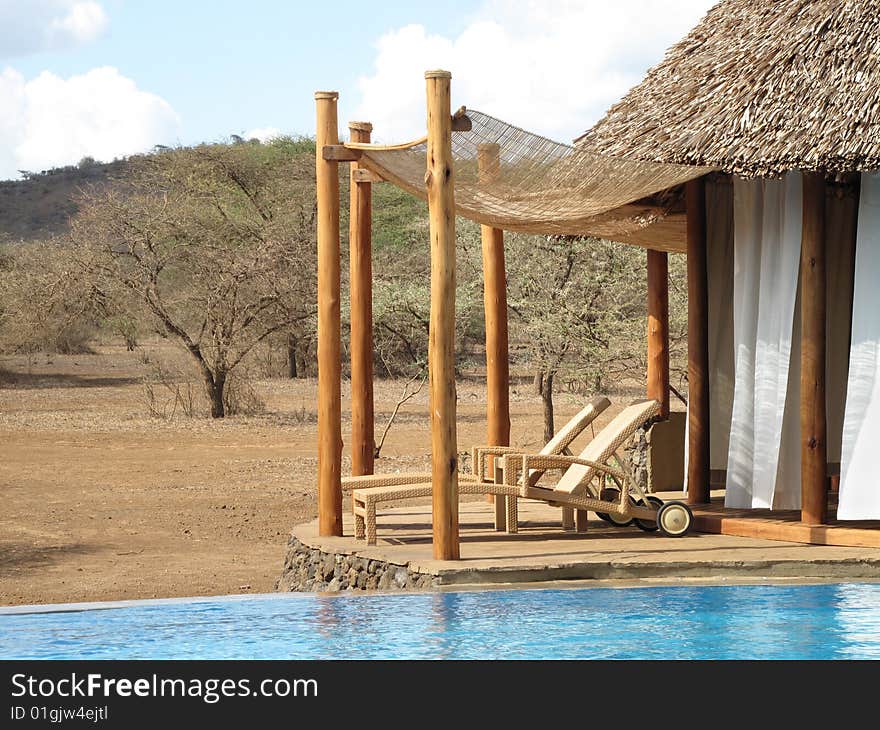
578	305
402	299
214	244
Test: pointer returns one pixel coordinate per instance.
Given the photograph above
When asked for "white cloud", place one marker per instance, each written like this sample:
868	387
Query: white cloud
50	121
551	66
31	26
264	134
84	22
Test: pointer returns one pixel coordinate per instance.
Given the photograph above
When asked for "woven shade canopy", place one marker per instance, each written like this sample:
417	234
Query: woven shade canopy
511	179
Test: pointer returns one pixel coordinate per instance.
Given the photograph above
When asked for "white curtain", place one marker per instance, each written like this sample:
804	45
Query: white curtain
859	488
763	465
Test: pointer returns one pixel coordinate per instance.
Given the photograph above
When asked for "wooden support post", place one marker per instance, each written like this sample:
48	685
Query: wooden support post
361	277
814	501
441	340
495	308
329	356
658	329
698	344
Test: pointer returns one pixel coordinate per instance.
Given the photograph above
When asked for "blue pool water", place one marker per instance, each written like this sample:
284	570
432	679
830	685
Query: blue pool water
840	621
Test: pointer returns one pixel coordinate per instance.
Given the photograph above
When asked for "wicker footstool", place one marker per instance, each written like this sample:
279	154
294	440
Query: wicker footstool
364	502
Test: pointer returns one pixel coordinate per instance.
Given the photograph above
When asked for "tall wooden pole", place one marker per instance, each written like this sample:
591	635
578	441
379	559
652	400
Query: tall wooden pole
495	309
361	276
814	502
441	340
329	356
698	344
658	329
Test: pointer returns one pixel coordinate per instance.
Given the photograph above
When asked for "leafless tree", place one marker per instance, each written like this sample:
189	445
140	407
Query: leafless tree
215	244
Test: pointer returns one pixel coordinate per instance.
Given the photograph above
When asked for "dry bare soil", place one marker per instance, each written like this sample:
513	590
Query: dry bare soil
102	501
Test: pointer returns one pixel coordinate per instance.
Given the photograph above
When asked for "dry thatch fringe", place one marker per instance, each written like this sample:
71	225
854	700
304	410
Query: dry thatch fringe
758	88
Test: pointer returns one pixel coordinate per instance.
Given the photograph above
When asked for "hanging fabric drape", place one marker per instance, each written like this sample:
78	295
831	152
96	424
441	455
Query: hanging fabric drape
859	489
763	468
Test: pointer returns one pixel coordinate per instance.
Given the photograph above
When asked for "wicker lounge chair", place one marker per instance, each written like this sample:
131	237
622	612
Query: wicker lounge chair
370	491
583	484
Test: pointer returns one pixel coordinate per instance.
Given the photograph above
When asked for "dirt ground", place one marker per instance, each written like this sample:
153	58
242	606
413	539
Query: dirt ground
102	501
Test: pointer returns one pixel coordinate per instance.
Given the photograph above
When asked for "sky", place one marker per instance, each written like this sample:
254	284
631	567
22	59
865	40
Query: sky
109	78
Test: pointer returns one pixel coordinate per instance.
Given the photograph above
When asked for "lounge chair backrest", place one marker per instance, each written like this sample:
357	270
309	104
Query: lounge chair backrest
570	431
607	441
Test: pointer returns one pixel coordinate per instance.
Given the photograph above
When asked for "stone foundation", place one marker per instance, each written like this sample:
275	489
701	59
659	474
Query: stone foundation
638	451
313	570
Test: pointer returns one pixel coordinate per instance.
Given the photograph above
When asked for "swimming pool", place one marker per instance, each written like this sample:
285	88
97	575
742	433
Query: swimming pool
836	621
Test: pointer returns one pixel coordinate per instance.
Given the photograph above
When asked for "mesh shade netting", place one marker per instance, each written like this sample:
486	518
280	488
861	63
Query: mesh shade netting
528	183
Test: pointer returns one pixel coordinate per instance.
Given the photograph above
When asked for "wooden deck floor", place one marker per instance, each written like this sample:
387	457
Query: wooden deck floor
785	525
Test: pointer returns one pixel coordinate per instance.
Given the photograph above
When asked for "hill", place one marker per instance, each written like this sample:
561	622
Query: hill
40	206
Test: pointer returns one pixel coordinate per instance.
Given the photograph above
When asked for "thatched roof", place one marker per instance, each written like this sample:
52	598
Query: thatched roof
757	88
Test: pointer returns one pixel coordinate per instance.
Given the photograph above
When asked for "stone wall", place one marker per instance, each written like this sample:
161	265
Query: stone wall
637	451
311	569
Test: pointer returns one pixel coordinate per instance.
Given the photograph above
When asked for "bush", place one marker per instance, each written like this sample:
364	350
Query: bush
44	306
171	391
240	398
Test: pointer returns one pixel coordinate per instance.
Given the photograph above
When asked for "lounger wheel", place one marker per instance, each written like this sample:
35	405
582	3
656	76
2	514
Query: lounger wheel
674	519
650	525
606	496
615	518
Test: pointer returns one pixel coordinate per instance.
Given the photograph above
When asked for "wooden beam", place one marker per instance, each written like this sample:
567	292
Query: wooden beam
352	152
441	340
658	329
698	344
361	278
339	153
329	370
363	175
814	505
495	309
